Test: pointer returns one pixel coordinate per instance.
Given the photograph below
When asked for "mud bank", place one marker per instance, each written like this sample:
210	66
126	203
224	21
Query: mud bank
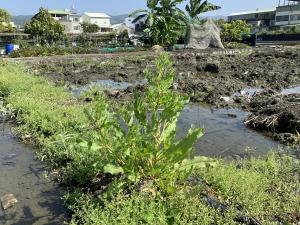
276	113
206	76
39	199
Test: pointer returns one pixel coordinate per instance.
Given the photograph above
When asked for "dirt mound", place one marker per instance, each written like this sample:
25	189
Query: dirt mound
277	114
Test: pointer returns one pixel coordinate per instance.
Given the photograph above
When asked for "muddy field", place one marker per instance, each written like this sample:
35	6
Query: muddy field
219	78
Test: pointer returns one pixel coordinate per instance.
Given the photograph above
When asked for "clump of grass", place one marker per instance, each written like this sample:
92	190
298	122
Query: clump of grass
184	209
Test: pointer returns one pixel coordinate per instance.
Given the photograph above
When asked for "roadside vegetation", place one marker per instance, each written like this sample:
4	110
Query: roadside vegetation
124	165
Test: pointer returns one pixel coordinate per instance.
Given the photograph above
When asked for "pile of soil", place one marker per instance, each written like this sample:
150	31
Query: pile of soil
277	114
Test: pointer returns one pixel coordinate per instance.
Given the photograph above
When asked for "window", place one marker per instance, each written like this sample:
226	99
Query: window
282	18
295	17
76	27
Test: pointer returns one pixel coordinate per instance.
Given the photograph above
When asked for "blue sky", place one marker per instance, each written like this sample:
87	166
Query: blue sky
116	7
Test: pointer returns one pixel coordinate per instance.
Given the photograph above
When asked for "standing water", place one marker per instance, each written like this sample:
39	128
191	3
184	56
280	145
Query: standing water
225	133
39	200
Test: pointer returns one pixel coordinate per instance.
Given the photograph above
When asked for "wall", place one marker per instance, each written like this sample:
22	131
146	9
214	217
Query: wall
290	14
71	27
101	22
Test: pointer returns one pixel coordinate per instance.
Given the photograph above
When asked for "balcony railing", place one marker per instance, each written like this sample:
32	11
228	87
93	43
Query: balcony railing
288	2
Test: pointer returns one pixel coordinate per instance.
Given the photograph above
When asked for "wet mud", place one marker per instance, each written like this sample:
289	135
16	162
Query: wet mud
277	113
39	198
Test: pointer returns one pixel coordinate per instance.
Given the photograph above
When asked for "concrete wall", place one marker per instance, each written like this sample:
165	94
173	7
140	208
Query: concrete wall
101	22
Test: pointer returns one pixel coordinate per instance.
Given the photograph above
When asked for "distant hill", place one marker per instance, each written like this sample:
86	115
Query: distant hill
21	20
118	19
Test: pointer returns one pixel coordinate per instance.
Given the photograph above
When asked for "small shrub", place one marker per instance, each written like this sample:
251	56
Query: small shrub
235	31
144	145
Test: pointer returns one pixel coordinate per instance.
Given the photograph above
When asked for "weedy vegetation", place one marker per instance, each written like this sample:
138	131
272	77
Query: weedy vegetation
125	165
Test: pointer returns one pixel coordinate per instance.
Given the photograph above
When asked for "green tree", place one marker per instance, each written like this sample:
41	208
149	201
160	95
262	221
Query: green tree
235	31
44	28
196	7
166	22
90	27
5	19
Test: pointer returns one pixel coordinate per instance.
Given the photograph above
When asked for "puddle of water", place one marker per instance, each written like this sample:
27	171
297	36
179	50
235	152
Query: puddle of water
292	90
225	132
252	91
106	85
39	200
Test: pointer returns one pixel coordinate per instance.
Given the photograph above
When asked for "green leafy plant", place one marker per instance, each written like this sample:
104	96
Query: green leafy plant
90	28
144	144
165	21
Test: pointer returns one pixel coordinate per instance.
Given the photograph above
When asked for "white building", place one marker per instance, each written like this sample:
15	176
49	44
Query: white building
100	19
288	14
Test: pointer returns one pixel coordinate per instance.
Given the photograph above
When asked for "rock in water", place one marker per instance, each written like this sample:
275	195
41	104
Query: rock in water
8	201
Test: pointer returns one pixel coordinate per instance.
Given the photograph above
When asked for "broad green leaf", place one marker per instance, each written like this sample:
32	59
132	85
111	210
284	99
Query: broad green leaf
196	163
180	151
113	170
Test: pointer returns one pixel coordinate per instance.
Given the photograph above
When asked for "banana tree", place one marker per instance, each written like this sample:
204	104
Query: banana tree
165	21
196	7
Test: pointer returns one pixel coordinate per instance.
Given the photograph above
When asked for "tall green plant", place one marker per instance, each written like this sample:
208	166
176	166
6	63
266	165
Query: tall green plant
141	143
166	22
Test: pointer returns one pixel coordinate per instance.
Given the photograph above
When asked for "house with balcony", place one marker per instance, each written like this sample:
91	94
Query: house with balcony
286	14
69	19
257	18
100	19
